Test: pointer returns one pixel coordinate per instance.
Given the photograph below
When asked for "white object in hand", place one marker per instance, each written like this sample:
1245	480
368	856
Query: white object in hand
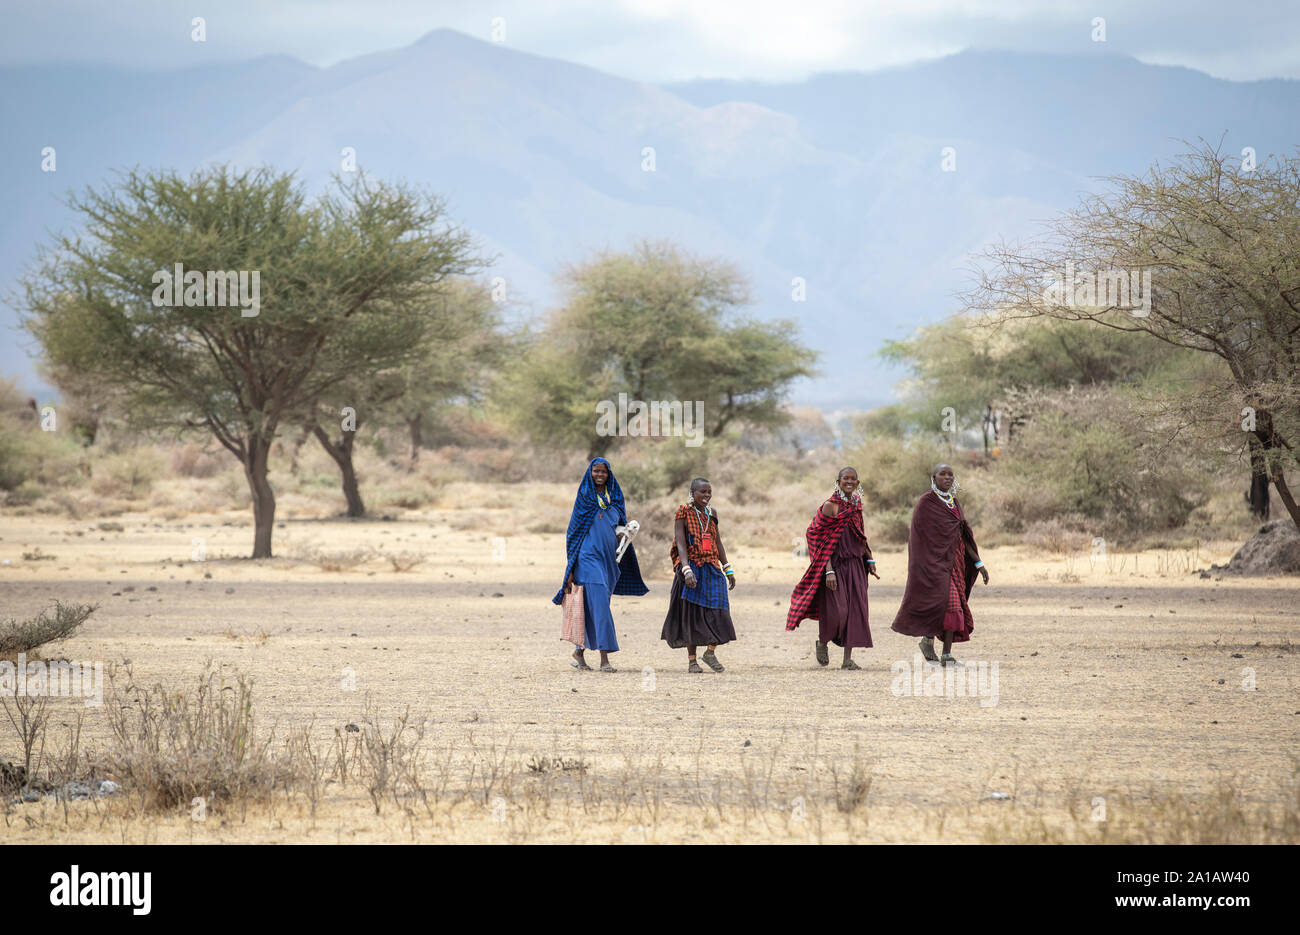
625	535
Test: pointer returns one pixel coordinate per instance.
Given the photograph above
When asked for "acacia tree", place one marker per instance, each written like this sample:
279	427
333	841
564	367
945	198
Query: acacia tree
459	345
656	324
340	281
1221	244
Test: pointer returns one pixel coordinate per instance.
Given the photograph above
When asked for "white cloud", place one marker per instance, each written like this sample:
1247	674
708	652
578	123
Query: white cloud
666	40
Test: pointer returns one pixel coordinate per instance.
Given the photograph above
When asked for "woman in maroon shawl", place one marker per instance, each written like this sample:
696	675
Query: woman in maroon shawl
941	565
833	590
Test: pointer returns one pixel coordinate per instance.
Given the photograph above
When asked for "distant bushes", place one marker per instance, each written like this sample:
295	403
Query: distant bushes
1087	457
128	474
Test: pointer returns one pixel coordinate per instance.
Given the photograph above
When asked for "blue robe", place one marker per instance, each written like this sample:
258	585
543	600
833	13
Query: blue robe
598	572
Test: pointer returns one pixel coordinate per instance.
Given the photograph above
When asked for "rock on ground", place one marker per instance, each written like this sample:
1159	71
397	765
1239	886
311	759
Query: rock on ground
1274	550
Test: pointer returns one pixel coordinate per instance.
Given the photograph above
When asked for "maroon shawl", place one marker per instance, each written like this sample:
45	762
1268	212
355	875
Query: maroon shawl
931	547
823	536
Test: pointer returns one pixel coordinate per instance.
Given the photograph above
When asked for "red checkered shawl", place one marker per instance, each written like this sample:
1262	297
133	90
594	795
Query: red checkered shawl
823	536
694	535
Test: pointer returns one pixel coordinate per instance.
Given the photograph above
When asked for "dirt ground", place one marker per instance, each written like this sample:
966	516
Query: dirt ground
1123	682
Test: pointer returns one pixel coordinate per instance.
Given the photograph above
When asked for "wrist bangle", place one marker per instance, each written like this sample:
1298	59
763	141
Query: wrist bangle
871	561
979	564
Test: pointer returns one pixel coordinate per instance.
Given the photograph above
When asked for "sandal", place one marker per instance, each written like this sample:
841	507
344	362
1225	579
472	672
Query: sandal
694	667
579	662
947	660
711	661
927	649
823	657
607	668
850	664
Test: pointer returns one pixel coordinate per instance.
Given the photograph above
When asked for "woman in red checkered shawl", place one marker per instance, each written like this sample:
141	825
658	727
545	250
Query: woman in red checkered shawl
833	591
941	564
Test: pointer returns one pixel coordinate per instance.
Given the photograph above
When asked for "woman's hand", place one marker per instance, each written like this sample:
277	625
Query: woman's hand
984	573
688	576
871	570
731	581
831	581
568	585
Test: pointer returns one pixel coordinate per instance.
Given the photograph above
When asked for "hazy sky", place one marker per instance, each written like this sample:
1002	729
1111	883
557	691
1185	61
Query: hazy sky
664	40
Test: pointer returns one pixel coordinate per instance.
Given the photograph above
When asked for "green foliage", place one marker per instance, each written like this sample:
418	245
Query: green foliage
29	457
893	473
658	325
659	469
967	363
344	281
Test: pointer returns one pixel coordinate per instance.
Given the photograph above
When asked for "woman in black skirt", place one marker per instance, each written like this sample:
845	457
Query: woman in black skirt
699	613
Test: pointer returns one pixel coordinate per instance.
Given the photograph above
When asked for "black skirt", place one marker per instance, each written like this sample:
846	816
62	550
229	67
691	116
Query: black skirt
690	624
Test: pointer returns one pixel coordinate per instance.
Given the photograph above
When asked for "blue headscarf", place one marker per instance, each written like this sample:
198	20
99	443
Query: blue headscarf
584	511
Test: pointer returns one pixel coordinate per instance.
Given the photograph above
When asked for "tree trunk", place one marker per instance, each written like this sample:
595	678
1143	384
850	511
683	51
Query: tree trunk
1270	440
256	467
1257	496
342	455
1279	481
297	450
416	425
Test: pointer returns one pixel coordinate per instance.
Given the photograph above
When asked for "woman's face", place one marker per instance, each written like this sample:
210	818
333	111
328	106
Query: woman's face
599	473
702	495
943	478
848	483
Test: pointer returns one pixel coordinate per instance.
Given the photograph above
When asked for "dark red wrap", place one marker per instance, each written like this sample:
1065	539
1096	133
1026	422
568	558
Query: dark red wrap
931	547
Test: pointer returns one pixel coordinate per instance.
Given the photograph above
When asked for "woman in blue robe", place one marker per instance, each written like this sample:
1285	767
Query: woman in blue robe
590	545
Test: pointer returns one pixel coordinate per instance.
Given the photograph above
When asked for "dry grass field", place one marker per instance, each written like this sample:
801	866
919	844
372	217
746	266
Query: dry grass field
1123	709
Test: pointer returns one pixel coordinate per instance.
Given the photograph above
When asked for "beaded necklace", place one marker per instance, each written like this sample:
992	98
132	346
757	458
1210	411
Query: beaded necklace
949	496
598	500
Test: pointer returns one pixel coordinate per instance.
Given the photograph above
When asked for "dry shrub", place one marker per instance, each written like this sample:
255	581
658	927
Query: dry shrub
405	561
339	560
191	460
1227	814
170	747
46	627
129	474
1058	535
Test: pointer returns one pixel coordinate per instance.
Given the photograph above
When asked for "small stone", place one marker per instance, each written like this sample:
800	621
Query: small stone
352	728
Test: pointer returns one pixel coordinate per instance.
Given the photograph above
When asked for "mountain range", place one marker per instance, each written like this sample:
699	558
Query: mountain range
838	180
